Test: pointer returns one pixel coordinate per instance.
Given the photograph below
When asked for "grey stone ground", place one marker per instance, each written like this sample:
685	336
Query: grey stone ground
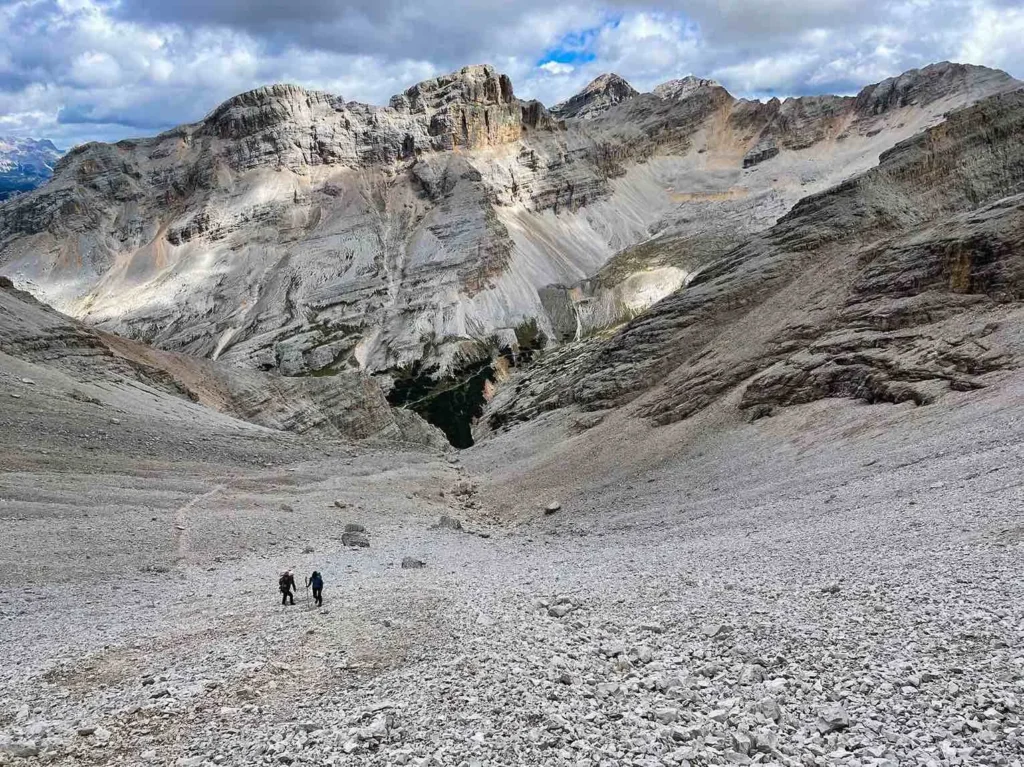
839	584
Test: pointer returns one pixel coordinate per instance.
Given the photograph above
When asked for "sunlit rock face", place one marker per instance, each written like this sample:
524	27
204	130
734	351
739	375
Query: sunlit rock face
294	231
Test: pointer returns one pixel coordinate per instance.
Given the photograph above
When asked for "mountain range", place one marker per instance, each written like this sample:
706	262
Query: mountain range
470	250
25	164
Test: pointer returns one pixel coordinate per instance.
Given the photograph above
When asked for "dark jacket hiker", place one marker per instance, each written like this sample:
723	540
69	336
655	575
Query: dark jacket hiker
286	583
316	581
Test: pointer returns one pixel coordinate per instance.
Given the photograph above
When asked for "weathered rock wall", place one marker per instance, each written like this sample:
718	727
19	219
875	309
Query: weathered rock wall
291	230
896	285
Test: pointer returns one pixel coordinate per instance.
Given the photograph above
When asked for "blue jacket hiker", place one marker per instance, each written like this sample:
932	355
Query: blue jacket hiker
316	581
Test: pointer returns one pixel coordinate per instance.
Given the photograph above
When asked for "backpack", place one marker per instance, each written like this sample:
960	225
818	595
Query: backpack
284	582
316	580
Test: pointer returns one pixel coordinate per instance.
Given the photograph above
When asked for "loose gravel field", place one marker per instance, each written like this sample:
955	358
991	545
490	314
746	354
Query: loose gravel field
836	585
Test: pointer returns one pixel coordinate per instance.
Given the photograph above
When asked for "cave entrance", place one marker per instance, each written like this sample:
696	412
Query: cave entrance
452	403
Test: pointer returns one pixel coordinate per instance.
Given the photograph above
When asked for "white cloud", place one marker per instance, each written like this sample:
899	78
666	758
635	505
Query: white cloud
557	68
94	68
996	35
134	67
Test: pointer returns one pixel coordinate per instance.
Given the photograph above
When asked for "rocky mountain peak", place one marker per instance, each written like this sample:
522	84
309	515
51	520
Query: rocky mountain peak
933	83
683	88
479	85
602	92
260	108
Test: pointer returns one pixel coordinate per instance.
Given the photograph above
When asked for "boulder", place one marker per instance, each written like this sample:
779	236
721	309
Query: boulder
833	719
355	539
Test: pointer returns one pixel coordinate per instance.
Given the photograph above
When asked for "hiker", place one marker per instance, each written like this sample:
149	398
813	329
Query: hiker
287	585
317	582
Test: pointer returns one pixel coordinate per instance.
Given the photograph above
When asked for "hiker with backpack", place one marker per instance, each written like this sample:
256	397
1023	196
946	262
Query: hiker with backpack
317	582
286	583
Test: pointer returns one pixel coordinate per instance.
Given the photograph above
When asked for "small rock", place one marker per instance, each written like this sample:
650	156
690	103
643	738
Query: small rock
356	540
832	588
448	523
341	504
715	630
352	527
308	550
552	507
833	719
742	743
286	508
559	611
411	563
20	750
667	715
770	708
86	731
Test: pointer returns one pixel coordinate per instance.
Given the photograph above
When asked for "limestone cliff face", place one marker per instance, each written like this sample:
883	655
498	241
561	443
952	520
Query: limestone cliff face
295	232
347	406
900	284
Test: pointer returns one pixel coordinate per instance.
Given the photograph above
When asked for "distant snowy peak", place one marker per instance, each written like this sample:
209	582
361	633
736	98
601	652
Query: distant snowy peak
25	163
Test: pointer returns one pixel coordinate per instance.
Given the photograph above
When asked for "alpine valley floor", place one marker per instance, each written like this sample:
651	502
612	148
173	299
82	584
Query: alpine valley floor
838	584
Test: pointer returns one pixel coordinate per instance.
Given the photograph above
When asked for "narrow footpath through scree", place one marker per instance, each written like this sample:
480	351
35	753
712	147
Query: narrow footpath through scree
181	529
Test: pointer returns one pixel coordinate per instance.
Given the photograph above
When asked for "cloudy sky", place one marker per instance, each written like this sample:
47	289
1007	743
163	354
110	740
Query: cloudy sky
78	70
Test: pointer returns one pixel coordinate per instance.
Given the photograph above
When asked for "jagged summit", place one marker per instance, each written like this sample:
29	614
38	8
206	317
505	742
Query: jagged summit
684	87
932	83
477	84
602	92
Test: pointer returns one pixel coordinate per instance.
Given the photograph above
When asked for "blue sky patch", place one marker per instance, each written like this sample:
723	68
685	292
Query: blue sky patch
577	47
